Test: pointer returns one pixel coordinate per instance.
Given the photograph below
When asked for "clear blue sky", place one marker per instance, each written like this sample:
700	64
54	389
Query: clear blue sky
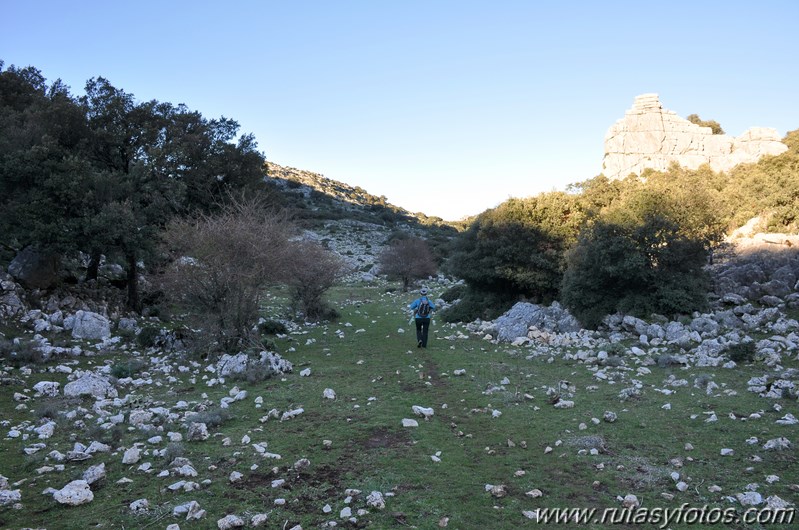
444	107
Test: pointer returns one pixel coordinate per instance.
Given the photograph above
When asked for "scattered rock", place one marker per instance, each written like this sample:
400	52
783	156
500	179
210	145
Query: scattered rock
376	500
230	521
75	493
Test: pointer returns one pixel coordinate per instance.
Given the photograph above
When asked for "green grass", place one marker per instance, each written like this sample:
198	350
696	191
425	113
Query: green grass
371	450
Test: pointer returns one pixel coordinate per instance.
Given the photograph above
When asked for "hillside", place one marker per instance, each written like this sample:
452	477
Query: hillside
316	193
349	220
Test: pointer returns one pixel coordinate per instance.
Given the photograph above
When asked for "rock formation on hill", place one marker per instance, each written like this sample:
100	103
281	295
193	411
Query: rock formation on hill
650	136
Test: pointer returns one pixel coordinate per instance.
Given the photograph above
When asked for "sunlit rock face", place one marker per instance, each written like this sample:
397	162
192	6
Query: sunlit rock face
650	136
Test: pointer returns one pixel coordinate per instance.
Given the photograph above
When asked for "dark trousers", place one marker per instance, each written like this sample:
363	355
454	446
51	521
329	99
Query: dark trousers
422	327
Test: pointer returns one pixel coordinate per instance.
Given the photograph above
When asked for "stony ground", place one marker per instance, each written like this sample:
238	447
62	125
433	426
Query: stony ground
364	430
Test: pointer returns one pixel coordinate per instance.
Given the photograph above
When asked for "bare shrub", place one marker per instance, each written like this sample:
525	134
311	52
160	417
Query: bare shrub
221	264
406	260
314	271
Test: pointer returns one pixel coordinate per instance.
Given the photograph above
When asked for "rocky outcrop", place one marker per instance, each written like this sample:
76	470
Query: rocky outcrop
88	325
650	136
35	269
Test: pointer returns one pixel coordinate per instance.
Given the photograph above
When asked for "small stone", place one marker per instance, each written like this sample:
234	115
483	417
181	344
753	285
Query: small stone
750	498
777	444
630	501
94	473
375	500
140	506
259	519
497	491
230	521
425	412
131	456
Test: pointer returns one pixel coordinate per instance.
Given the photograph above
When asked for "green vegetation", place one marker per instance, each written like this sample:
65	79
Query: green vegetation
518	249
634	245
378	376
714	125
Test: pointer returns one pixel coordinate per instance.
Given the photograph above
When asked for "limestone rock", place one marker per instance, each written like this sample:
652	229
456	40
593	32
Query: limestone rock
90	385
230	521
94	473
92	326
35	269
777	444
240	363
425	412
650	136
140	506
10	497
47	388
259	519
197	431
376	500
75	493
131	456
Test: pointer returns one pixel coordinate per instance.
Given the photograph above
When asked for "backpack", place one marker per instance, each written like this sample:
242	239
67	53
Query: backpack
424	308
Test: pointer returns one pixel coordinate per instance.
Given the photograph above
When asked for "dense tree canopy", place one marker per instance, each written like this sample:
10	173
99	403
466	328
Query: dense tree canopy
518	247
104	173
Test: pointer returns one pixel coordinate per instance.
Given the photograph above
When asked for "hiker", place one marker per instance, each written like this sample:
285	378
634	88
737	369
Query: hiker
422	309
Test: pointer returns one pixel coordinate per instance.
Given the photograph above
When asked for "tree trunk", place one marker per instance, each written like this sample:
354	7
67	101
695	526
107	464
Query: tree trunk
94	265
133	283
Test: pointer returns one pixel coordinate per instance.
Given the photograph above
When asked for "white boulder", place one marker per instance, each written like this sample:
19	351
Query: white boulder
75	493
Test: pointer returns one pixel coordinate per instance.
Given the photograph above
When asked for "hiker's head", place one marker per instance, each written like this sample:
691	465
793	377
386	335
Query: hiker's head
423	291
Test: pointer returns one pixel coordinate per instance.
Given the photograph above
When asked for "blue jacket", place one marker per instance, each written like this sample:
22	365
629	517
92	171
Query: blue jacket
416	303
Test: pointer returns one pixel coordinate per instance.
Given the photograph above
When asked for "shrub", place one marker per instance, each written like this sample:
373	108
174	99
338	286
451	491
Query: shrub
50	409
315	271
211	418
21	353
634	267
456	292
743	352
517	249
406	260
665	360
221	265
272	327
128	368
112	436
255	373
476	304
701	381
173	451
147	337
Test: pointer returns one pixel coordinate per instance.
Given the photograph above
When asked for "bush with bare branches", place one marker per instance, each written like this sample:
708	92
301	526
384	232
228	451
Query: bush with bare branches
222	263
314	270
407	259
